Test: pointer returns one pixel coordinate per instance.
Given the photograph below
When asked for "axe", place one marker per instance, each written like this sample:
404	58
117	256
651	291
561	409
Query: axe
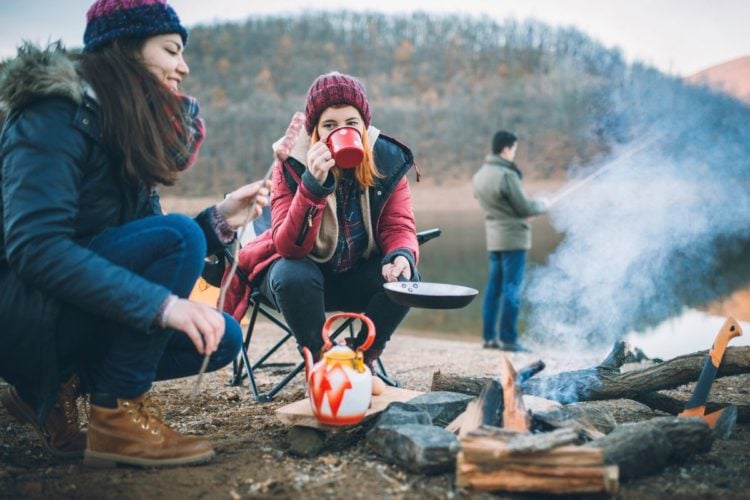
722	420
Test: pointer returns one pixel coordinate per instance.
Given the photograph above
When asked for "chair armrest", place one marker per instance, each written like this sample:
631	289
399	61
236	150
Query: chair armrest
428	234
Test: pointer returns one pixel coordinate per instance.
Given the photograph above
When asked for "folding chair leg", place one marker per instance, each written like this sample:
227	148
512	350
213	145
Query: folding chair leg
238	365
384	375
249	367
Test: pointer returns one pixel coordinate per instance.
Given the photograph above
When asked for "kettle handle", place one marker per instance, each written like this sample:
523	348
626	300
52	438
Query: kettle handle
327	344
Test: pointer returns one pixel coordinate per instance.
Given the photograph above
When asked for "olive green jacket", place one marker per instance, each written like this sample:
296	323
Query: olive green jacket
497	186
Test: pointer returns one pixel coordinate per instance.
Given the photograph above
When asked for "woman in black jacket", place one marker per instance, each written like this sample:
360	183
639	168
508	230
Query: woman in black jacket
95	278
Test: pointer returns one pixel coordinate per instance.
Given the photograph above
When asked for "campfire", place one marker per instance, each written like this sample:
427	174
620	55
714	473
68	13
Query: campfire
525	432
552	448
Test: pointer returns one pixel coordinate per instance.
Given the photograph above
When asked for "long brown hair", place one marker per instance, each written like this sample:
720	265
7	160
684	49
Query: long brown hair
135	112
366	171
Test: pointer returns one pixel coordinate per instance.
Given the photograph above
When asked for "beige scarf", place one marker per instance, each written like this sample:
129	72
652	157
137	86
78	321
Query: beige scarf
328	233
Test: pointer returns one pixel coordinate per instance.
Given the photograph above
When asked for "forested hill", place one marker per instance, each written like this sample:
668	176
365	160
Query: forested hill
441	84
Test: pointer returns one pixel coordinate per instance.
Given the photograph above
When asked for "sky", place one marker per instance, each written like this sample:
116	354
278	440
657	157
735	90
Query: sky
679	37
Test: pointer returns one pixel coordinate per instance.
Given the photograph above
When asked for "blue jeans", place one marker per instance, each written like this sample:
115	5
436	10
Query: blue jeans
504	281
116	359
303	291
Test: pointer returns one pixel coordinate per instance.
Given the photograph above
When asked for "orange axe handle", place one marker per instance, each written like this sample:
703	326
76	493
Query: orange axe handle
696	406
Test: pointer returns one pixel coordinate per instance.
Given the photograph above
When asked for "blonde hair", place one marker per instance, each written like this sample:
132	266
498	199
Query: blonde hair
366	172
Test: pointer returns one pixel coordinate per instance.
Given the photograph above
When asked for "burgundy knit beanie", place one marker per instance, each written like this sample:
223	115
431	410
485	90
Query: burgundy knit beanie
332	89
108	20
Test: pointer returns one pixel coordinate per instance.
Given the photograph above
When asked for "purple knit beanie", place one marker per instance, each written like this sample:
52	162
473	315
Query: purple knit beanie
332	89
108	20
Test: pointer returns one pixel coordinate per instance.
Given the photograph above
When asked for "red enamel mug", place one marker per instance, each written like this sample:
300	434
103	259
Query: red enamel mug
346	147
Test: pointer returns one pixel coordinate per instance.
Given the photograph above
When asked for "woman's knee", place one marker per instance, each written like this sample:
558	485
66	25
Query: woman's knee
295	275
189	233
230	344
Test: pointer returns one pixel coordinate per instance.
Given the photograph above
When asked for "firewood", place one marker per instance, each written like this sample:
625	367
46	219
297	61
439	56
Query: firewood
529	371
619	354
487	444
645	448
589	419
515	416
482	411
531	478
664	402
596	384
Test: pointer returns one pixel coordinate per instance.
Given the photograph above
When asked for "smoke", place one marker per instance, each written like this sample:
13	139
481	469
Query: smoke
664	225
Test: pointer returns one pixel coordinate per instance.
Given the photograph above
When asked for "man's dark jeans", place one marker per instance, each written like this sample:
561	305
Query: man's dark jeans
504	281
120	361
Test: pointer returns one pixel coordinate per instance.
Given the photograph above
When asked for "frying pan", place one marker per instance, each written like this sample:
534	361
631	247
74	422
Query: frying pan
429	295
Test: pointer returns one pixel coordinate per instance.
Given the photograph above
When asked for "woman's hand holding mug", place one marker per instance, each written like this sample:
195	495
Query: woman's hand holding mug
320	161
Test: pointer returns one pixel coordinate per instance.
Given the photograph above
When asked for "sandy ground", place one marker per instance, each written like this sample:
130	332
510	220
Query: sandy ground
253	459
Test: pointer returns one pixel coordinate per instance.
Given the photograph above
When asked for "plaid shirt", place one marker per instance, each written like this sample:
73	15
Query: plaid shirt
352	241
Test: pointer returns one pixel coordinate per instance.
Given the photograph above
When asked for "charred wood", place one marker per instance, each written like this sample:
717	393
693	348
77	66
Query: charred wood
644	448
597	383
664	402
484	410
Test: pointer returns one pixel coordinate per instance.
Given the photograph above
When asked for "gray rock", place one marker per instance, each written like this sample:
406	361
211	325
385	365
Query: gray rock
424	449
403	413
443	406
305	441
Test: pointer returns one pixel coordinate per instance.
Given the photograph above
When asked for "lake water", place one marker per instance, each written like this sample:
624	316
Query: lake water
459	257
690	332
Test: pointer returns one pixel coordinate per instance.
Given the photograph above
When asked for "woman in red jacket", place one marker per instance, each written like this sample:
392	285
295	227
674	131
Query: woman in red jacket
337	234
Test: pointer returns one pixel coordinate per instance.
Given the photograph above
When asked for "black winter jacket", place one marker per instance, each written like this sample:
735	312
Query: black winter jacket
60	188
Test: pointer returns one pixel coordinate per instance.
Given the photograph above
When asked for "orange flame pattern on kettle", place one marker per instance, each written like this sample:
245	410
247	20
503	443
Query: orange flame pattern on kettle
320	385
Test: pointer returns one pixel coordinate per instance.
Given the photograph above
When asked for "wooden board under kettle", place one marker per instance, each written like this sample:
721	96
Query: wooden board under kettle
300	412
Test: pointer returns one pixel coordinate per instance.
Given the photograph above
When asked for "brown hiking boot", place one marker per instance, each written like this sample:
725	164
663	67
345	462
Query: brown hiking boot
61	433
133	433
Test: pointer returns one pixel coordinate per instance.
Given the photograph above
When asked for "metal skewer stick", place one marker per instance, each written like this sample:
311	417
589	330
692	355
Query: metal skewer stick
232	271
281	153
564	193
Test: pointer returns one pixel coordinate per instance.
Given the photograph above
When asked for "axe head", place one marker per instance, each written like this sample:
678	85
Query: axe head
721	421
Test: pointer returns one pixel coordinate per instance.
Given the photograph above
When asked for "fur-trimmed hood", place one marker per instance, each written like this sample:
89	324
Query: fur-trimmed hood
36	72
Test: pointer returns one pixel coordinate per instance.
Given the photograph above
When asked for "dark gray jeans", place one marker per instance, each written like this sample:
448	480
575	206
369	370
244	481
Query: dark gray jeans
303	291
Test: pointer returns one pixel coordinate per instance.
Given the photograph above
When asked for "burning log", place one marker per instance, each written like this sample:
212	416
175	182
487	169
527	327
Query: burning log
482	411
473	385
513	459
605	383
553	462
485	410
515	416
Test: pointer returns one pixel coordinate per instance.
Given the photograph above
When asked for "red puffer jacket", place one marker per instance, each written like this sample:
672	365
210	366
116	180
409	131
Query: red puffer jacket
297	209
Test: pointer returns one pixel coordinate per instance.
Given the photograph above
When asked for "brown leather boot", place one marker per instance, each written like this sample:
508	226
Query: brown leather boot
61	433
133	433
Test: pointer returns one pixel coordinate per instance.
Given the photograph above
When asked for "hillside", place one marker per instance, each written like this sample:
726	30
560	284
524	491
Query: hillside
441	84
731	77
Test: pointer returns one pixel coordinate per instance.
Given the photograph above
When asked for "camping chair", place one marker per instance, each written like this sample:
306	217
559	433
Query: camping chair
259	304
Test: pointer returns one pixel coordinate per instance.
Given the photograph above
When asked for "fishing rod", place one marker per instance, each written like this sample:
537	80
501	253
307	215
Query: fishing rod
565	192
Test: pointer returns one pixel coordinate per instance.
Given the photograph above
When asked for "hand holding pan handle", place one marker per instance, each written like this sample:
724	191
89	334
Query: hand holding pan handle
696	406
